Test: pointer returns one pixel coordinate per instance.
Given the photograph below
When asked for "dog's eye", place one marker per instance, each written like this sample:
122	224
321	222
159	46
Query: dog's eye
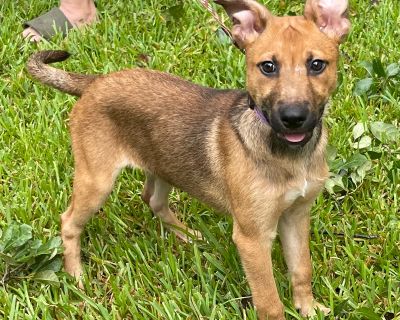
317	66
268	68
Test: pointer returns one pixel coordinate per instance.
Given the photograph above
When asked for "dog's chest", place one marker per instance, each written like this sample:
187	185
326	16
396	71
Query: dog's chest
295	192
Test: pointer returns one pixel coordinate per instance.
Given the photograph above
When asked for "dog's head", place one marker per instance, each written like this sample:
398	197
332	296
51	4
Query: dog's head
291	62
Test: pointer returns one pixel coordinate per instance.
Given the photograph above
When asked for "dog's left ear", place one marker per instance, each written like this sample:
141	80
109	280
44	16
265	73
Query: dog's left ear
330	16
249	19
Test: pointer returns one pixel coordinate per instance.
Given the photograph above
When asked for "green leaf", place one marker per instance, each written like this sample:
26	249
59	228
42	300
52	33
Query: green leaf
367	165
222	36
23	254
336	164
358	130
373	155
363	86
329	185
25	234
368	313
384	131
335	184
378	68
364	142
7	236
55	264
339	308
360	173
35	245
355	177
355	161
8	259
16	235
49	246
367	66
392	69
48	276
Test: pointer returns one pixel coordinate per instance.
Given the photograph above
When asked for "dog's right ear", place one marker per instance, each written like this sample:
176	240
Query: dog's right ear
249	19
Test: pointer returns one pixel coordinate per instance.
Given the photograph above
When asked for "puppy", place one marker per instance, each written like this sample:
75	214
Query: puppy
257	154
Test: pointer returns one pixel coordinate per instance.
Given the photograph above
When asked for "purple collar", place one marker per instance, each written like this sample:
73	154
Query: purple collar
252	105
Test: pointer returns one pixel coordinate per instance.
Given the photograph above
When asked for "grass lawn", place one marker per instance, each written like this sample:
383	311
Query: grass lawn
134	269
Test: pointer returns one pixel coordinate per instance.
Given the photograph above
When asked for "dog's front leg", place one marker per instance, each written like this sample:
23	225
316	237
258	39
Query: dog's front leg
254	246
294	230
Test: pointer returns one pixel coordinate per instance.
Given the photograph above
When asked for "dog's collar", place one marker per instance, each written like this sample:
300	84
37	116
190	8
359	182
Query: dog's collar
252	105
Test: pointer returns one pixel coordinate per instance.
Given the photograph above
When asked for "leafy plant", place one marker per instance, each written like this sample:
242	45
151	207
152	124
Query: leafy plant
22	256
378	78
371	142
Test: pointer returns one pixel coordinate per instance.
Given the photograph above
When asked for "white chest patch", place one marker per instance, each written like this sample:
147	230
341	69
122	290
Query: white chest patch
294	193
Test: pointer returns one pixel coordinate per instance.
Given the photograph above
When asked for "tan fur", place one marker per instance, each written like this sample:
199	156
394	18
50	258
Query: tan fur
212	145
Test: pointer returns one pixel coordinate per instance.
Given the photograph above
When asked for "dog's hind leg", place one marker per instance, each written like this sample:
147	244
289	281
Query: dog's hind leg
148	188
156	193
91	188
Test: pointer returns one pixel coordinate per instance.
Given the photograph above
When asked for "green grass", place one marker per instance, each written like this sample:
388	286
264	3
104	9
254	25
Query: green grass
136	270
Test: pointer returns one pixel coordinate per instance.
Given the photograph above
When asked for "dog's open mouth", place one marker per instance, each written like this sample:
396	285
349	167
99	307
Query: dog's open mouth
295	138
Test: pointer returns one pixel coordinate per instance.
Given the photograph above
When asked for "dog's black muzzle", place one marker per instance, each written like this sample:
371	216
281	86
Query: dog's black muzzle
293	123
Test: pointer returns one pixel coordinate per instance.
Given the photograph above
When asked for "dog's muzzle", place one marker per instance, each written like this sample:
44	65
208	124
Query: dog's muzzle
294	123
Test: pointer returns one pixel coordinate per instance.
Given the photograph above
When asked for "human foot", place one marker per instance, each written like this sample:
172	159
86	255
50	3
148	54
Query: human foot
77	12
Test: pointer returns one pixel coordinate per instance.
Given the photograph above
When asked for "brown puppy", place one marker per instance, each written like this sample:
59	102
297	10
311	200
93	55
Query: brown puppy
259	155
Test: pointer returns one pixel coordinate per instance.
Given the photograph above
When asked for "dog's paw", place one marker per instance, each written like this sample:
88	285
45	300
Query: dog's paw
310	309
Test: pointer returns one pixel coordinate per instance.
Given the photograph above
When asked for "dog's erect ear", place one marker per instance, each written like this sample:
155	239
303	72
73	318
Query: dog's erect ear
330	16
249	19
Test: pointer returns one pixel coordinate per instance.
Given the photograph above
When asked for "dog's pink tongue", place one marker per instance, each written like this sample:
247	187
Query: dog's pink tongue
294	137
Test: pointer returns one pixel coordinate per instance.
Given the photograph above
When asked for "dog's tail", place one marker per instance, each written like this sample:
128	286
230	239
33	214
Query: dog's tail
69	82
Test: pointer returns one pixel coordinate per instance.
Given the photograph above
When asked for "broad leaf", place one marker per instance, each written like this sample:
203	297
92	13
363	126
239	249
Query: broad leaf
49	246
222	36
335	184
367	66
16	236
378	68
48	276
25	234
7	259
355	161
384	131
392	69
367	313
8	235
367	165
364	142
363	86
358	130
373	155
55	264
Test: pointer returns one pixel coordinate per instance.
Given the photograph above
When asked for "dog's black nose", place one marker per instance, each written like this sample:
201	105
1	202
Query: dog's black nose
293	116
